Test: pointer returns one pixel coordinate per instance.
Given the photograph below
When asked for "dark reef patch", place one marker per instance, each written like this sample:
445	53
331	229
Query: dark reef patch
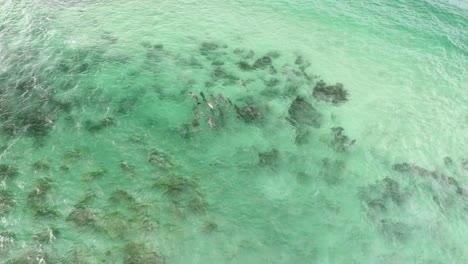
94	175
334	94
7	171
245	66
263	62
272	82
160	159
174	185
138	253
39	197
41	165
32	121
332	170
439	177
93	126
221	73
83	217
244	53
7	202
340	141
302	136
303	113
47	235
380	195
270	158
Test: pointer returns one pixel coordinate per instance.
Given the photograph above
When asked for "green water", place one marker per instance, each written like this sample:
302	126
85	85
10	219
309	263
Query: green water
100	162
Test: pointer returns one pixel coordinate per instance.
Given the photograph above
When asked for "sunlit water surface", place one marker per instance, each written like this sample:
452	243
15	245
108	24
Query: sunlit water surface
100	162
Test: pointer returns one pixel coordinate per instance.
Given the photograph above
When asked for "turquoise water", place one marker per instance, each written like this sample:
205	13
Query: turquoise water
100	162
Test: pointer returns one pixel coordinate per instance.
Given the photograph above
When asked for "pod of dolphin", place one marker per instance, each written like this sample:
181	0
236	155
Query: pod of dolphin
249	112
301	115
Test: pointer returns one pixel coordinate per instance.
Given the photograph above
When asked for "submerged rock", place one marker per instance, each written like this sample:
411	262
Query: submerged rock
382	193
197	204
41	165
47	235
402	167
175	185
81	216
138	253
160	159
209	84
334	94
303	177
263	62
448	161
465	164
332	170
273	54
207	47
272	70
35	122
299	60
340	142
93	175
272	82
303	113
7	203
185	131
38	199
7	171
182	193
434	175
126	105
7	240
62	105
394	230
72	156
245	66
246	54
302	136
158	46
269	158
37	256
122	197
64	168
126	166
210	227
117	224
217	63
104	123
220	73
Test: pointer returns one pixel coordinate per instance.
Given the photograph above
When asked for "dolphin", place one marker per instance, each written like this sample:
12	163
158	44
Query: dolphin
290	121
210	105
194	96
249	109
203	96
196	124
243	83
349	144
239	111
197	112
222	98
213	99
211	122
252	111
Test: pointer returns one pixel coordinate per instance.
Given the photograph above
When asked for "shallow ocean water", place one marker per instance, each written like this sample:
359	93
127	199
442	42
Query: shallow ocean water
100	161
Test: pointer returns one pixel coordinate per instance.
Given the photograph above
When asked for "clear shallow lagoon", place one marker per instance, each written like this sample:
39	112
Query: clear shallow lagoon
100	162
